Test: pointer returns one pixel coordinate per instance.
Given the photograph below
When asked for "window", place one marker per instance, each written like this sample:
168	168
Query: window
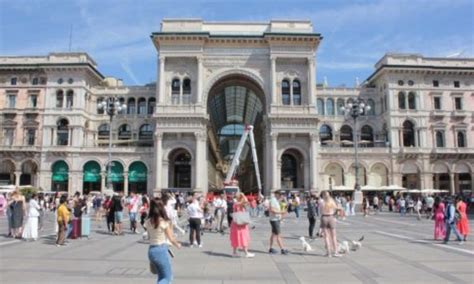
124	132
30	136
146	132
175	90
131	106
346	134
151	105
437	103
186	91
330	106
456	84
33	101
123	110
296	92
435	83
13	81
59	98
69	99
411	83
320	105
411	100
408	134
458	103
340	105
60	81
371	103
367	135
100	110
8	134
104	131
401	100
285	92
400	82
439	139
461	139
325	134
34	81
11	101
142	106
70	80
62	133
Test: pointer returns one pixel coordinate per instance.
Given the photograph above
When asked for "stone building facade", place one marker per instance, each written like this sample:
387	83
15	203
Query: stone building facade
215	77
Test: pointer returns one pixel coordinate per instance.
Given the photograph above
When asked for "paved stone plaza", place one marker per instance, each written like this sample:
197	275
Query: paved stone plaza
395	250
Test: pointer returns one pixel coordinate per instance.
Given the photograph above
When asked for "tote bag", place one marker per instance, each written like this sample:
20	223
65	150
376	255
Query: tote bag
241	218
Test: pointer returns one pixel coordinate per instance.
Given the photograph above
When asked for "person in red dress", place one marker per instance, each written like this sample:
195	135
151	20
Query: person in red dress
239	234
463	222
440	227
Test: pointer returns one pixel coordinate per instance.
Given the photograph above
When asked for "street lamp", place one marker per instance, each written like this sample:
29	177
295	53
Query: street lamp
354	110
111	106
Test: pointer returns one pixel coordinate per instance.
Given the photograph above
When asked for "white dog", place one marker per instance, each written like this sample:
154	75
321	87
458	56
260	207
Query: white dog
346	247
305	245
343	247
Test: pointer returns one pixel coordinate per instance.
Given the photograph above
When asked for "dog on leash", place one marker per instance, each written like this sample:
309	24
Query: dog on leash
305	245
346	246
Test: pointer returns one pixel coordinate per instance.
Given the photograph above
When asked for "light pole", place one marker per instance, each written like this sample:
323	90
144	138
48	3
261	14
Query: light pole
354	110
111	106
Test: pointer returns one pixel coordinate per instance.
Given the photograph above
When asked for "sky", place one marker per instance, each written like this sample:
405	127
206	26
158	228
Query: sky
116	33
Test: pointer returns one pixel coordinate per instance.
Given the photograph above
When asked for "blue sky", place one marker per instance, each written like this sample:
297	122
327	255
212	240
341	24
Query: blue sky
356	33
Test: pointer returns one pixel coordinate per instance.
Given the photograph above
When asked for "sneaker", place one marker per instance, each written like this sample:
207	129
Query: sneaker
272	251
337	255
284	251
200	246
250	255
461	243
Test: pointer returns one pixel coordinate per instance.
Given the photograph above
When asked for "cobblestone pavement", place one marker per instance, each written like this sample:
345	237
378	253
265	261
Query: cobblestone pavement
395	250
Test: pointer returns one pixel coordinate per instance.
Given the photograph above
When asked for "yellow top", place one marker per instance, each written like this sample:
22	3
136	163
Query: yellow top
63	212
157	236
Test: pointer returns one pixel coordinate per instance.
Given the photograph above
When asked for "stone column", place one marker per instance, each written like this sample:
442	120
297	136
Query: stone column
102	181
313	162
199	80
201	161
158	160
273	88
312	82
161	85
451	184
125	183
17	178
54	141
472	182
274	173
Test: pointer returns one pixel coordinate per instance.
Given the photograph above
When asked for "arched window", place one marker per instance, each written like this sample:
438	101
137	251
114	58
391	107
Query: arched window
401	100
100	110
371	103
325	134
69	99
104	131
124	132
461	139
175	90
285	92
330	106
142	106
411	100
62	133
35	81
408	134
59	98
367	135
346	134
122	102
180	169
296	92
131	106
151	105
289	169
340	105
439	139
186	91
146	132
320	106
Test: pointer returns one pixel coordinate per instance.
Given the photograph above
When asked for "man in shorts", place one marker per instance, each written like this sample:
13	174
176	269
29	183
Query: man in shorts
275	219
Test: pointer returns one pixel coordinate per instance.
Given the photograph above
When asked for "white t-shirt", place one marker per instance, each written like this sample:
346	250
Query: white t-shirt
220	203
194	210
275	205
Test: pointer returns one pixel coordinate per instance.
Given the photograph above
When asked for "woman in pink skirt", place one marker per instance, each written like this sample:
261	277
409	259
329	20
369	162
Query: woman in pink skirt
239	234
440	227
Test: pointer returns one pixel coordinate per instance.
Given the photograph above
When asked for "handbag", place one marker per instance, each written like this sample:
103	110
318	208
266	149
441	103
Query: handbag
241	218
153	269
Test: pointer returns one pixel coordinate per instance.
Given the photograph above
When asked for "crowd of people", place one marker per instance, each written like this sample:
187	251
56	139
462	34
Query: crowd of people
161	217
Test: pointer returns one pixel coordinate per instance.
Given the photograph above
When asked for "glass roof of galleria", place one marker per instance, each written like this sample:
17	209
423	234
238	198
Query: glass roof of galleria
231	109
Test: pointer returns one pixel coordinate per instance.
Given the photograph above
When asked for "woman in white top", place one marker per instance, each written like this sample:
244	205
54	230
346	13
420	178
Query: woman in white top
31	228
160	232
195	214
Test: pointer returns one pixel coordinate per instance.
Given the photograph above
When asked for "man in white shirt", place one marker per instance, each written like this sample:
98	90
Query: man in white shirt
220	206
275	217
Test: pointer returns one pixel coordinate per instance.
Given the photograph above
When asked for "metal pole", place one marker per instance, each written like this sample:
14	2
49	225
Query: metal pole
357	185
109	165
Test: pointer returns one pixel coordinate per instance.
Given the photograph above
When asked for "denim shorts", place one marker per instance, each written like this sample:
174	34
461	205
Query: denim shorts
118	216
133	216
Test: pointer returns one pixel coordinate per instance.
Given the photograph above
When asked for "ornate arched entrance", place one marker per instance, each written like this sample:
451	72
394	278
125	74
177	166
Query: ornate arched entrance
233	102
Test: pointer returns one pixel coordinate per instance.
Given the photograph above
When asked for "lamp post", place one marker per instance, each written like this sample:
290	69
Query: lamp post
354	110
111	106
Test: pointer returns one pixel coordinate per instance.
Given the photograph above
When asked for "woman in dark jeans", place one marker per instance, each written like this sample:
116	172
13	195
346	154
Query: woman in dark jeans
312	214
